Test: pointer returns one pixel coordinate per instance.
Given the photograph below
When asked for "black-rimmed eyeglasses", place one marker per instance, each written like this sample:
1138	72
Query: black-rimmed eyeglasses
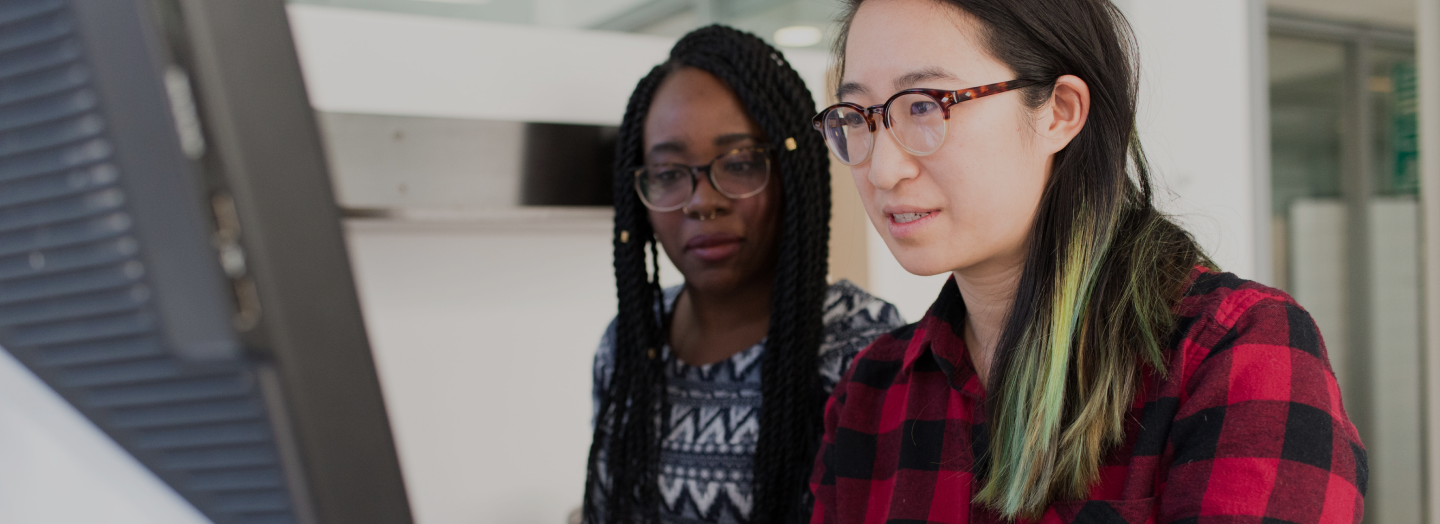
739	173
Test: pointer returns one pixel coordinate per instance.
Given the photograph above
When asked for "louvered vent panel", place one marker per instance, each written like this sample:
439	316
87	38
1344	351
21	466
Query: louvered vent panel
74	302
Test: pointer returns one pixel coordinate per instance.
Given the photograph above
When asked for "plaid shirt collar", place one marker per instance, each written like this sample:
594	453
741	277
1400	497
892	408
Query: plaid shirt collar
934	338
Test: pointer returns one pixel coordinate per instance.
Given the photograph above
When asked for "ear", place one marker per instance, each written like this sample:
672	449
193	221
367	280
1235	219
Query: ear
1064	115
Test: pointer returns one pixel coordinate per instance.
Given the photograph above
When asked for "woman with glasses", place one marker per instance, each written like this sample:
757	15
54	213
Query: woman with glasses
1085	362
709	394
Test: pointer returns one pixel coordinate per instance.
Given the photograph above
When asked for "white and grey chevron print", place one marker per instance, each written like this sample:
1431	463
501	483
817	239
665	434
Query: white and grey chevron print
709	448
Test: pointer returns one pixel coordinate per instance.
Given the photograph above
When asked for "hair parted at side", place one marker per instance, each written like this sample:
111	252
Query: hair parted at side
633	405
1104	270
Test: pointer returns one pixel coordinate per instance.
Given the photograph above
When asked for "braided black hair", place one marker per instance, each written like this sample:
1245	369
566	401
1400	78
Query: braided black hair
626	430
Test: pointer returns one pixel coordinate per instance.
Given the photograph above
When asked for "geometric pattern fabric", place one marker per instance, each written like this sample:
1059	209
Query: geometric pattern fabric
707	455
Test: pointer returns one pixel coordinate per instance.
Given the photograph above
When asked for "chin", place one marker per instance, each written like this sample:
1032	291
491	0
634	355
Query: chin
711	280
918	260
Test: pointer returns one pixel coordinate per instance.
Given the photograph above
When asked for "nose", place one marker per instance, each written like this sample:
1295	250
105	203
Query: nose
890	164
706	203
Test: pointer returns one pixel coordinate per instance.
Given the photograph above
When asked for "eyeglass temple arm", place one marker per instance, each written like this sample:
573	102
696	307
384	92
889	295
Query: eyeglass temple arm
990	89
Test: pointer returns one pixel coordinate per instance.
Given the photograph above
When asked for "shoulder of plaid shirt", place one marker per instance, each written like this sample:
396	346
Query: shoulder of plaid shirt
1246	426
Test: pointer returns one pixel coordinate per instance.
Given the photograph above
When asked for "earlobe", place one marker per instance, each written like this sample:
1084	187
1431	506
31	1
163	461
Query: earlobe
1069	108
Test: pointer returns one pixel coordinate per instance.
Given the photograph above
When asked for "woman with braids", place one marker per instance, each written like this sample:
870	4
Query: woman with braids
709	394
1085	362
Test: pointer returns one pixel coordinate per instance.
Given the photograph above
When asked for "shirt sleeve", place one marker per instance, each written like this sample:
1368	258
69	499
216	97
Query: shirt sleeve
868	319
1261	434
886	320
822	479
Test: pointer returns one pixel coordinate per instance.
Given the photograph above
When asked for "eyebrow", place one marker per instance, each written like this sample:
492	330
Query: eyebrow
676	146
904	81
849	88
668	147
908	80
725	140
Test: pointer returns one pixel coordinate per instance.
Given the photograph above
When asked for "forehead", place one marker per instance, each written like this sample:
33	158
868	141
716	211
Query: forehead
692	105
936	38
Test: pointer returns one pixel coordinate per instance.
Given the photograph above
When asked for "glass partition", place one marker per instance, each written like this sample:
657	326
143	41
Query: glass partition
1345	219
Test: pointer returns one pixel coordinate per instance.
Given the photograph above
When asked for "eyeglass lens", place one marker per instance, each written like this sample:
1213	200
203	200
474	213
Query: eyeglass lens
847	134
739	174
916	121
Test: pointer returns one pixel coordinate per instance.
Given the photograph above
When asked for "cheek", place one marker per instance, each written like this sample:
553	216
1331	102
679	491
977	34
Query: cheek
990	183
1009	187
1001	209
861	176
993	183
667	228
759	214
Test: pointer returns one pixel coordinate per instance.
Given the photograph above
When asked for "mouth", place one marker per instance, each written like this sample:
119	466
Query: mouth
714	247
905	221
906	218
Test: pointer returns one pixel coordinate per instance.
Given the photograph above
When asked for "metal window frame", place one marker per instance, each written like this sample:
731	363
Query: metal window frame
1427	60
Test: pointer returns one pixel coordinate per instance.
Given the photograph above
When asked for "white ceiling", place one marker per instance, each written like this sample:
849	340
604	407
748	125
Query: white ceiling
676	17
671	18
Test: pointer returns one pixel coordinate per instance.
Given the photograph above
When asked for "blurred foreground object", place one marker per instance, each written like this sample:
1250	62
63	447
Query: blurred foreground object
171	260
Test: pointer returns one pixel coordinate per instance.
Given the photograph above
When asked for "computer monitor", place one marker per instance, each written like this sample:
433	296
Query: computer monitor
171	259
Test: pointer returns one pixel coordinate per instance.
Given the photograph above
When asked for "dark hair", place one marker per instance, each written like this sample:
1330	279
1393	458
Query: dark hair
792	396
1104	269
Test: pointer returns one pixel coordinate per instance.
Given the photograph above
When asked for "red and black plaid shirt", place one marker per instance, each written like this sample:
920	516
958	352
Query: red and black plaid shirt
1246	427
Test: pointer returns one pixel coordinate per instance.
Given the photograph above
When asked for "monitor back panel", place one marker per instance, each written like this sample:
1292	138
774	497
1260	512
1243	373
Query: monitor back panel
141	278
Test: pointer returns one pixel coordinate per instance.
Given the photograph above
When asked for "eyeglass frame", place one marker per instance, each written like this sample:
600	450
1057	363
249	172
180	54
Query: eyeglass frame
945	98
710	175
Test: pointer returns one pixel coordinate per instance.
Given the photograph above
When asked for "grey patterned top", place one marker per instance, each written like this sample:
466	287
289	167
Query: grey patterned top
709	446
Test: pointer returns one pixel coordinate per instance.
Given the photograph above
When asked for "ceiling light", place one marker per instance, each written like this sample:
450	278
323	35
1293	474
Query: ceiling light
797	36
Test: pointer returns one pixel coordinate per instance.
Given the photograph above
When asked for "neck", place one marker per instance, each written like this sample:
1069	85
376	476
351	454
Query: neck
708	326
989	294
724	309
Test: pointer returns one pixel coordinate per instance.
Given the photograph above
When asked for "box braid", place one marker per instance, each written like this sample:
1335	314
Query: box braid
793	399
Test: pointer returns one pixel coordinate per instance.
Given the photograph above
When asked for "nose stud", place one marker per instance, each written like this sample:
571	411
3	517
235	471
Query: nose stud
700	217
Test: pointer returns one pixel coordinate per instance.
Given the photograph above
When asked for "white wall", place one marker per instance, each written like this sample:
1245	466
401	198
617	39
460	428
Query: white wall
1195	120
483	336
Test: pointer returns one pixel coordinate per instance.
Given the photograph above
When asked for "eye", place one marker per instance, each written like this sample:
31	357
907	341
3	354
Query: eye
666	176
923	108
854	120
738	166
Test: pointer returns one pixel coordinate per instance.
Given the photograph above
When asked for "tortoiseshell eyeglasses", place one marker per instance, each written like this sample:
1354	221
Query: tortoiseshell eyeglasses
919	126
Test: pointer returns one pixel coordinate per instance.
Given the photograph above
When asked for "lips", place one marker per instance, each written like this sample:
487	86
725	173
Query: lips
714	247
